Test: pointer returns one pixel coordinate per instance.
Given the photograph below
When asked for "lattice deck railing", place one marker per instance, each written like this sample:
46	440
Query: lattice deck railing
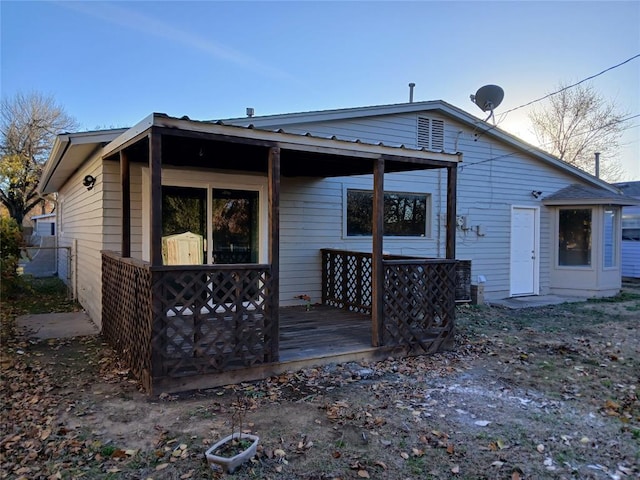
419	303
419	295
126	312
174	321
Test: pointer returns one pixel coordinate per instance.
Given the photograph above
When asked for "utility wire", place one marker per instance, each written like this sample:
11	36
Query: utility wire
504	114
534	148
571	86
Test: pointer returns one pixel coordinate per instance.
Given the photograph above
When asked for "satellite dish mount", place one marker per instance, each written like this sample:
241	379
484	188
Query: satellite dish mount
488	98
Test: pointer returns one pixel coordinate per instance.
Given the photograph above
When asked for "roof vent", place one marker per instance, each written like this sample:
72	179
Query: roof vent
250	112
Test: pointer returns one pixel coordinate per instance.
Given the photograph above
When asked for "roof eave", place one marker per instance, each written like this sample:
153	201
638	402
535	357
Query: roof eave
618	202
287	141
59	148
60	153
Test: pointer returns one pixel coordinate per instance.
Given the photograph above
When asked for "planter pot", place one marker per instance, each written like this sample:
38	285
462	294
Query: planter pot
230	464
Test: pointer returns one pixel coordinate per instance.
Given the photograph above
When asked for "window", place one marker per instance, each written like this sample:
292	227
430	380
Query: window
609	237
631	227
574	237
405	214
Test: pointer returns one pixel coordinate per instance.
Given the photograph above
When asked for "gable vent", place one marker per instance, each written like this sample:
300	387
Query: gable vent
430	133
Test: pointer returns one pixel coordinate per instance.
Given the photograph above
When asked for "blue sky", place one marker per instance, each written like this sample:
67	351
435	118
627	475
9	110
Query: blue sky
110	64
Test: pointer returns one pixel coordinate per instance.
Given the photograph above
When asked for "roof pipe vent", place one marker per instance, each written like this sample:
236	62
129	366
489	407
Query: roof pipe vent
411	85
597	154
250	112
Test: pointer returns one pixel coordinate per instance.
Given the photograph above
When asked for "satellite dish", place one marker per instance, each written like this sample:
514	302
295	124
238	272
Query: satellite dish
488	98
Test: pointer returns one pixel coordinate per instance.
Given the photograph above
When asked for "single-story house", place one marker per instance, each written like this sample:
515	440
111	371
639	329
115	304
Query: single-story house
630	231
209	252
530	223
191	239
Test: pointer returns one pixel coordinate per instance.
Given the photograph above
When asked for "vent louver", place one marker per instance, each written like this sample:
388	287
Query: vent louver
430	133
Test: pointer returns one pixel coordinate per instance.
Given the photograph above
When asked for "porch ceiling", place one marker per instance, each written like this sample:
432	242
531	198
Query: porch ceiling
186	143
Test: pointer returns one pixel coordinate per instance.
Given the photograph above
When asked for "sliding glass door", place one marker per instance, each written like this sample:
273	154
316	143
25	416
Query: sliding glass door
235	226
227	221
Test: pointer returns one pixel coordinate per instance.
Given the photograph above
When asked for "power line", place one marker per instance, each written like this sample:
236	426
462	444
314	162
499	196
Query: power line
571	86
534	148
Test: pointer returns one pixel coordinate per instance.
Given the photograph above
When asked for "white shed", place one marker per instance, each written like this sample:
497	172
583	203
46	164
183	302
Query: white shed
44	225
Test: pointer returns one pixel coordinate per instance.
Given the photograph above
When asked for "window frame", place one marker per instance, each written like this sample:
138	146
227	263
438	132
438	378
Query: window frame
633	218
614	238
428	227
587	266
209	180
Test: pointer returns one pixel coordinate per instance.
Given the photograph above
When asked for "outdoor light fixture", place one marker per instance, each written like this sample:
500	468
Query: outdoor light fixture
89	181
536	193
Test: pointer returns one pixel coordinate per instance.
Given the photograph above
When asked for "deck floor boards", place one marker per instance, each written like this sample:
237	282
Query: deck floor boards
322	331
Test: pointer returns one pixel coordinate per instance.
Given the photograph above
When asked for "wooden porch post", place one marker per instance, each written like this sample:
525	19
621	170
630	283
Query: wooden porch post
452	179
377	268
274	249
155	172
125	189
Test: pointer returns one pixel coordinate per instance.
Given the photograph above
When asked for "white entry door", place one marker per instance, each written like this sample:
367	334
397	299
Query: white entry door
524	251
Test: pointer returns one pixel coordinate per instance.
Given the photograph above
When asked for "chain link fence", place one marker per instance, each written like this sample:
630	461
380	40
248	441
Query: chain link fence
47	259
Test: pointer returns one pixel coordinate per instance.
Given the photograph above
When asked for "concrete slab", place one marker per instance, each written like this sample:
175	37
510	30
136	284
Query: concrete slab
534	301
57	325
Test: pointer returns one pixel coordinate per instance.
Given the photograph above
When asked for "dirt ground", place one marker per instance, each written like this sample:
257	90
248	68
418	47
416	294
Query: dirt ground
537	393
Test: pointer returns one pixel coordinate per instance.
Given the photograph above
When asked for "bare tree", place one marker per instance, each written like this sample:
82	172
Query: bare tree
578	122
28	126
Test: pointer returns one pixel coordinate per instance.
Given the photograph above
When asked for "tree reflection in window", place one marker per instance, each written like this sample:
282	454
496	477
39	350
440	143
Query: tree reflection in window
574	237
405	214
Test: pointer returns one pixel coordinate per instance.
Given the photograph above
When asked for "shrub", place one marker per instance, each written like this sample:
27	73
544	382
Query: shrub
11	244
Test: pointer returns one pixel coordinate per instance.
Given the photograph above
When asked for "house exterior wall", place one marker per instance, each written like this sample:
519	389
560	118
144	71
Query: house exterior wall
492	178
86	225
631	251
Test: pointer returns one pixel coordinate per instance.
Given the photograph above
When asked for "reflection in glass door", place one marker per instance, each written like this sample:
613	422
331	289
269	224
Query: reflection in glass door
235	226
184	210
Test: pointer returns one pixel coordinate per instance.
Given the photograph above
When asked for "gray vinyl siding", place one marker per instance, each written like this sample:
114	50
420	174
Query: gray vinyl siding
82	228
630	252
493	178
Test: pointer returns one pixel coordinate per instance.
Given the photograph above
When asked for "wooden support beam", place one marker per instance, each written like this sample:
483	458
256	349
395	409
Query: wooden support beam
125	190
377	268
155	172
274	248
452	179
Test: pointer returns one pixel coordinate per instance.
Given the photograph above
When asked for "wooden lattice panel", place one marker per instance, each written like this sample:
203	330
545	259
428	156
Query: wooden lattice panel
347	280
211	318
419	303
126	312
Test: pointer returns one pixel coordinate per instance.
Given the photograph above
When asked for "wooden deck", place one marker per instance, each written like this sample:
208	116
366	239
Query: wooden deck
321	331
312	338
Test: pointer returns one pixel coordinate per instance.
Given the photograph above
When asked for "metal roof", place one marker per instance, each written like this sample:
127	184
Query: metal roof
71	150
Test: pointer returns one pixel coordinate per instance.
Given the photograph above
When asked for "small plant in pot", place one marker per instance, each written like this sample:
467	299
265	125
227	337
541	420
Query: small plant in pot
238	447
